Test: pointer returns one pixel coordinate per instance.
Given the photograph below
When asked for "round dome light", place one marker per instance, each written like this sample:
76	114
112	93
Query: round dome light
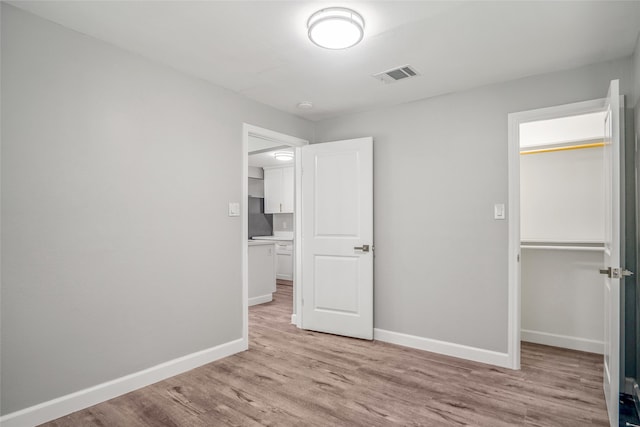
336	28
283	155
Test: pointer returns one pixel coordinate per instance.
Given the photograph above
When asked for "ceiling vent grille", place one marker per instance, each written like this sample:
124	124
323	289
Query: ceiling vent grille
395	74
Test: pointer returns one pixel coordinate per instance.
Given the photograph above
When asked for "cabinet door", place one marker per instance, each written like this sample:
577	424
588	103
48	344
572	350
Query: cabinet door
262	277
287	189
284	268
272	190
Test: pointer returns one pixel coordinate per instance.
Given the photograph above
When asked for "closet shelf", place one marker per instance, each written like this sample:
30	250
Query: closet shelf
563	245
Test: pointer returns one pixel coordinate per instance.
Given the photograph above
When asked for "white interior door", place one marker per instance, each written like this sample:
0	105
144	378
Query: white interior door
612	253
337	237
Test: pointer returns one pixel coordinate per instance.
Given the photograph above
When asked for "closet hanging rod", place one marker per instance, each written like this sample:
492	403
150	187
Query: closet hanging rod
565	148
565	248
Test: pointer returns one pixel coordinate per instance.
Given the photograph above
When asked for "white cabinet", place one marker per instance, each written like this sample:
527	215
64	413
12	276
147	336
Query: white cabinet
278	190
262	274
284	263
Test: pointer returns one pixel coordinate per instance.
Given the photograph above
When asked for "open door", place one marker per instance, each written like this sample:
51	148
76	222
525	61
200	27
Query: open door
612	270
337	237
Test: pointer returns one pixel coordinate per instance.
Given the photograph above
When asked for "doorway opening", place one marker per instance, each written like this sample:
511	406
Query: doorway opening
562	207
271	199
556	227
612	236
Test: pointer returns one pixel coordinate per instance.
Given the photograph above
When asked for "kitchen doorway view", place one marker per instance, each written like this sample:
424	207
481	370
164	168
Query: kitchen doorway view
270	223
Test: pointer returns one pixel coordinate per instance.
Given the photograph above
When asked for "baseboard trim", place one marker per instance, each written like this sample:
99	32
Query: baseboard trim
442	347
564	341
73	402
261	299
294	319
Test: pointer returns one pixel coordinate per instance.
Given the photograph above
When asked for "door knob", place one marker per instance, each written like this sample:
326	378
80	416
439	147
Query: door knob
363	248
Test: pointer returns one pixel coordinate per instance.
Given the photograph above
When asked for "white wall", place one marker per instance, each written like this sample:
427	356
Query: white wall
562	196
439	165
117	251
283	222
562	298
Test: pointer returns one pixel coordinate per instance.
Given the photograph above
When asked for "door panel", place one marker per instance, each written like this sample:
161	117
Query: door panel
337	212
611	375
337	220
333	290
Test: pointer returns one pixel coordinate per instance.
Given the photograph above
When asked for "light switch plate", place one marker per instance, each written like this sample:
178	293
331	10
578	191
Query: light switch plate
234	209
498	211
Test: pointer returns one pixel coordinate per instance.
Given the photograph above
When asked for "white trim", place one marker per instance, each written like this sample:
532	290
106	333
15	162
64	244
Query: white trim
564	341
292	141
442	347
73	402
297	247
514	121
261	299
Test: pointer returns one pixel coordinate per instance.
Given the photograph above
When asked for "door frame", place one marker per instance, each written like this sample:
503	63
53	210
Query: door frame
514	293
297	144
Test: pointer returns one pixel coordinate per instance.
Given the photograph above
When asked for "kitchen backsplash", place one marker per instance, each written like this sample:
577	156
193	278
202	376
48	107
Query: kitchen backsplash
260	224
283	222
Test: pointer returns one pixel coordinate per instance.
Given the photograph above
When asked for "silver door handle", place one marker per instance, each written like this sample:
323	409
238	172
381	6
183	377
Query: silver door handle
616	273
363	248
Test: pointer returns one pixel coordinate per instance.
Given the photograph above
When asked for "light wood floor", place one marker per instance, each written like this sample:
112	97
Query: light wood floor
291	377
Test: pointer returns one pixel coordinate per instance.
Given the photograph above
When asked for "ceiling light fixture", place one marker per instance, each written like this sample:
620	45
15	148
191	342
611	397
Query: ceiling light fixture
283	155
305	105
336	28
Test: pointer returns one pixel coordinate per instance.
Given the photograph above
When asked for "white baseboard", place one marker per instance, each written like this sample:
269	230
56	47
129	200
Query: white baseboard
442	347
294	319
564	341
261	299
73	402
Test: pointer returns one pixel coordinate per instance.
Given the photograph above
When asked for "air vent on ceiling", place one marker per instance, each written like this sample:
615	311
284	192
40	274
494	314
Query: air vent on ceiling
395	74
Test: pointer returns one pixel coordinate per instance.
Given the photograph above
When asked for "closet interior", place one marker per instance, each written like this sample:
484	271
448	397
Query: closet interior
562	231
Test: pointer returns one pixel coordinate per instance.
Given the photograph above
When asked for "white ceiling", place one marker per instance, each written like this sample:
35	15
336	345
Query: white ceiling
262	160
260	49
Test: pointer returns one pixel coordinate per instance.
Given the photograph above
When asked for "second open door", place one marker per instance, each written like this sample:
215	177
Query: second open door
337	237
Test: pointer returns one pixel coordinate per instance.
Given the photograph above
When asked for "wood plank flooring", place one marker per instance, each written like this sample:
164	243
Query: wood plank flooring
291	377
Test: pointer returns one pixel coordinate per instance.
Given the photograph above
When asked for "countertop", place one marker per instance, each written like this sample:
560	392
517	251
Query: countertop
282	236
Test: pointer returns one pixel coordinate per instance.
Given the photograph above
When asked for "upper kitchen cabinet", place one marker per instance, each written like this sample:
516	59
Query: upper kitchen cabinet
278	190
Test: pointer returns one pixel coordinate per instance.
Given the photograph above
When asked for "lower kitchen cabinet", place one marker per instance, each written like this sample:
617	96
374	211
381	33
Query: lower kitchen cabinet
262	272
284	264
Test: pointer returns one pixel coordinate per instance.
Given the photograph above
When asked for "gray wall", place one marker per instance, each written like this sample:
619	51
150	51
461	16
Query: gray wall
117	252
440	165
